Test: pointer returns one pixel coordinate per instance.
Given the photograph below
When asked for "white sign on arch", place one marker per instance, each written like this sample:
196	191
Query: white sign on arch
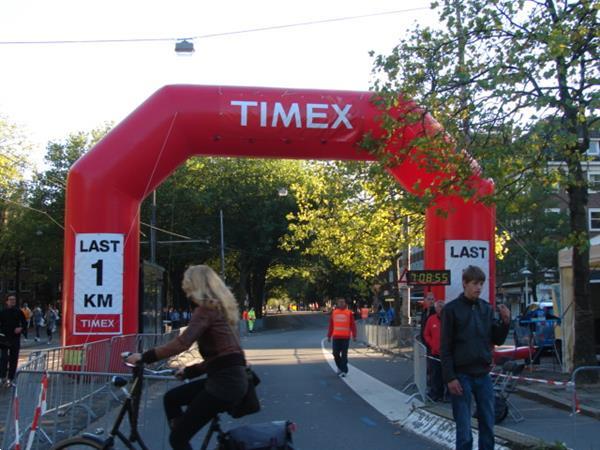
463	253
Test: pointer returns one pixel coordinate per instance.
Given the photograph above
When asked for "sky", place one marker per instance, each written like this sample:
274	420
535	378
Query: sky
50	91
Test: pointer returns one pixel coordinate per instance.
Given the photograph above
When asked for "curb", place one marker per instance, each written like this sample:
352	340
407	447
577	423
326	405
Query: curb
555	400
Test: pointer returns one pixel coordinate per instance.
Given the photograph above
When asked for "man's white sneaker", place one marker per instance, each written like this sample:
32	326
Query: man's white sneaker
343	375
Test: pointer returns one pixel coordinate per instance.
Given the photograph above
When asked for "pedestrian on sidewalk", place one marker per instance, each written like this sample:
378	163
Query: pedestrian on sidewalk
341	327
381	316
251	320
469	333
214	327
390	314
432	335
38	321
12	322
51	321
27	313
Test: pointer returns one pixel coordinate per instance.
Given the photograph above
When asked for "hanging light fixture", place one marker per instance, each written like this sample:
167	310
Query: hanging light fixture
184	47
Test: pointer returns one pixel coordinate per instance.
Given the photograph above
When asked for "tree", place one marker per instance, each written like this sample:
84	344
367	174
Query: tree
351	214
246	191
33	227
13	167
537	233
491	75
13	156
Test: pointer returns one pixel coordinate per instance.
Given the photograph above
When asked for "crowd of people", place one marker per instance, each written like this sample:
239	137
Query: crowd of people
177	317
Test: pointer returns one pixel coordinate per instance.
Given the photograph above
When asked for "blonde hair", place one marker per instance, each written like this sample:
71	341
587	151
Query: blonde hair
205	288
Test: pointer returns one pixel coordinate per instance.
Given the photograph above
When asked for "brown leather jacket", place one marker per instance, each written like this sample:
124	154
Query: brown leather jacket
218	343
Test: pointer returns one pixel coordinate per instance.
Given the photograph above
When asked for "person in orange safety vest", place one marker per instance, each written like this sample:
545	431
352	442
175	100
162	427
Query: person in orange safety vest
341	327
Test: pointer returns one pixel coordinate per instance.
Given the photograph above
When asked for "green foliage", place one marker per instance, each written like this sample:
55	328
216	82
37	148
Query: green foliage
32	235
494	71
254	217
352	214
13	156
516	83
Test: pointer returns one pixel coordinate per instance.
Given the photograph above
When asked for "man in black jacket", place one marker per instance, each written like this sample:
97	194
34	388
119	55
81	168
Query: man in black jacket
469	333
12	323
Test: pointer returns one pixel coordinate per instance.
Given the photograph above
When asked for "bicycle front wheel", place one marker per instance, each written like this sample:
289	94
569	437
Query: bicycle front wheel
79	443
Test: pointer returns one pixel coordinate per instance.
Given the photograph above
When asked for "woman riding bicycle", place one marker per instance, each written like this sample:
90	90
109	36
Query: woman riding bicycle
213	325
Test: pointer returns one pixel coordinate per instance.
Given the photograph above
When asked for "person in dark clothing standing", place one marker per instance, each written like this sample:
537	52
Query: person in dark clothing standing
12	324
469	333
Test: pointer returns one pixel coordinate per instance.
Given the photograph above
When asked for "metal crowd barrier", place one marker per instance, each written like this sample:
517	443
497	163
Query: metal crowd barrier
575	399
419	379
73	357
98	356
79	368
76	403
384	337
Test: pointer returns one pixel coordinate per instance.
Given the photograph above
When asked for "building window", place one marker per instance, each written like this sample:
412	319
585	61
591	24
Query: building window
594	181
553	211
594	219
24	286
594	149
10	286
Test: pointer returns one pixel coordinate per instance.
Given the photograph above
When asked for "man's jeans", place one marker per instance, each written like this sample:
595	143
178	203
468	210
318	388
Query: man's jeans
481	388
340	353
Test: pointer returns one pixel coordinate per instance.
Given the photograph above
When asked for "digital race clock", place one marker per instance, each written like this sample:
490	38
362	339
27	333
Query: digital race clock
428	277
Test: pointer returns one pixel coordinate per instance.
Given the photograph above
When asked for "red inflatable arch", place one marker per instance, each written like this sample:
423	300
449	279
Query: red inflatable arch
107	185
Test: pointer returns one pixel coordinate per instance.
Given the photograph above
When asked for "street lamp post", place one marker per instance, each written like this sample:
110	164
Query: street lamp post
526	273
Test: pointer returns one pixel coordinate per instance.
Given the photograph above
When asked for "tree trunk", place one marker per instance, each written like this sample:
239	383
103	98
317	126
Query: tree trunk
259	276
584	353
243	288
18	278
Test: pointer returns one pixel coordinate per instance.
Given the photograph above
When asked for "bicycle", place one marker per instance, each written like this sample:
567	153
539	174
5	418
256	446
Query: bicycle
130	407
276	435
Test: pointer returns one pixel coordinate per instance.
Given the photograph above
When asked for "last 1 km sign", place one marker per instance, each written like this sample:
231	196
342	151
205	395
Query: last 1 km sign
98	305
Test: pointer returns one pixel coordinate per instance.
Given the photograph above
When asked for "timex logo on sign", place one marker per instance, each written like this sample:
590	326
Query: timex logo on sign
315	115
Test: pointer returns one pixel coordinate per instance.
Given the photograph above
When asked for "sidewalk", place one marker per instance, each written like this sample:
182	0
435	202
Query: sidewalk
552	389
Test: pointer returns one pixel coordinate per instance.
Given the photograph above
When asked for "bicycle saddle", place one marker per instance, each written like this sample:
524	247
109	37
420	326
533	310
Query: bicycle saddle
119	381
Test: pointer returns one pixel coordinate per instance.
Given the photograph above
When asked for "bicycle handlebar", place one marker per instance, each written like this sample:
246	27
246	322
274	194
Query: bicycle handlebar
162	372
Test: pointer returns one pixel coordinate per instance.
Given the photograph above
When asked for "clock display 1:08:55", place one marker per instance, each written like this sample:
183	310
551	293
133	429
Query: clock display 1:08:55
428	277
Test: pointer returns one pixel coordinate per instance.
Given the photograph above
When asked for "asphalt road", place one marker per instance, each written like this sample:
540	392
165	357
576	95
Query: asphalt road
299	385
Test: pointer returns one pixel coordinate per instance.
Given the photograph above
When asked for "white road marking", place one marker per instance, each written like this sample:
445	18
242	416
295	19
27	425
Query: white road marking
397	407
